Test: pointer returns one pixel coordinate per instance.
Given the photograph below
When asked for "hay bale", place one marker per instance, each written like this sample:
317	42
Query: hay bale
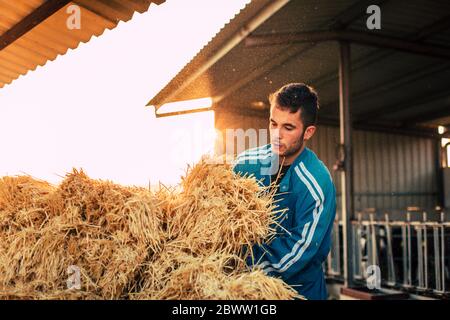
132	243
27	293
219	276
104	229
24	202
221	211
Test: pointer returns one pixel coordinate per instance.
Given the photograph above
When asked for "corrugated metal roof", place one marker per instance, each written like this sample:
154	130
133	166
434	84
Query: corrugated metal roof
51	36
389	87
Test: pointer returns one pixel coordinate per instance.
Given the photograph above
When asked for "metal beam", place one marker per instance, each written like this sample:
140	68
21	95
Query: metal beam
365	38
41	13
439	173
429	115
412	130
345	18
264	40
378	55
436	27
353	12
347	174
440	25
416	100
383	86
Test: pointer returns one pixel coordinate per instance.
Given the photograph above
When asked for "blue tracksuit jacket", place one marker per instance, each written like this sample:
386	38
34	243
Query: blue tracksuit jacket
298	251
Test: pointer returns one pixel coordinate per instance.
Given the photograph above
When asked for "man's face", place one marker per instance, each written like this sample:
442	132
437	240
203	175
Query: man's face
286	131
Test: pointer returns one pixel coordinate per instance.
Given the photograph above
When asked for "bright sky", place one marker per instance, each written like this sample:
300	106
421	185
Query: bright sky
86	108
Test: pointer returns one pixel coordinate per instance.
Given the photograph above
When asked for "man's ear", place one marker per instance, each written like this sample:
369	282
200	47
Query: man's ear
309	132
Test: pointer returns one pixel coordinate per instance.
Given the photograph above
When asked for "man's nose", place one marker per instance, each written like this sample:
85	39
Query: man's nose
279	136
276	135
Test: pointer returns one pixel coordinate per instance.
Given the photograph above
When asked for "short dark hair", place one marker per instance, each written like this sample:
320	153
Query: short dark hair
294	96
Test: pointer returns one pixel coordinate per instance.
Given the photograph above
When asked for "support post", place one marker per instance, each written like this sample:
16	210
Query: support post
347	173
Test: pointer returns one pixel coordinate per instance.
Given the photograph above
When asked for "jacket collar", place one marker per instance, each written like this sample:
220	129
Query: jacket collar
285	181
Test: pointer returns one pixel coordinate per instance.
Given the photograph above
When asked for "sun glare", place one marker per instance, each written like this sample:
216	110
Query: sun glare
86	109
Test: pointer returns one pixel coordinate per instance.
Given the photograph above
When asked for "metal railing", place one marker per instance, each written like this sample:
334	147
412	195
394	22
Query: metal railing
412	253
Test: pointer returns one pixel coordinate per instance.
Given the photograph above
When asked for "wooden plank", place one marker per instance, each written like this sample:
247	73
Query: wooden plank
30	21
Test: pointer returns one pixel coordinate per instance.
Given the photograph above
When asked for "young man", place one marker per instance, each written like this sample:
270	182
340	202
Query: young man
305	189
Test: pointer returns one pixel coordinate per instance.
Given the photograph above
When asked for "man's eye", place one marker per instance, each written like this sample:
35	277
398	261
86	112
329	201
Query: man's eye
289	129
